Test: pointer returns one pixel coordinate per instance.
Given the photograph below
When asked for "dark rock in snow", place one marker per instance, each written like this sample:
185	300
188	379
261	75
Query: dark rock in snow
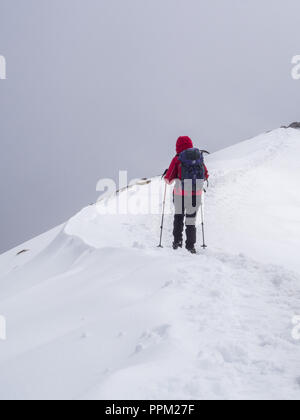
22	252
295	125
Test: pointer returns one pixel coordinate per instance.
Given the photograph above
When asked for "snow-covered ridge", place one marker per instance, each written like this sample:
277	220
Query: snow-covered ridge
254	194
95	310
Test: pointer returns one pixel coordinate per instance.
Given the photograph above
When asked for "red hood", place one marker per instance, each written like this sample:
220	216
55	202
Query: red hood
183	143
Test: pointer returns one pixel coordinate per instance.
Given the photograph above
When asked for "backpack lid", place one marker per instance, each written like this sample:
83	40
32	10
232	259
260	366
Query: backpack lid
191	155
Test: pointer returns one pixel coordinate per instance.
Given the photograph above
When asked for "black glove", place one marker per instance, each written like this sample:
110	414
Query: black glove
164	174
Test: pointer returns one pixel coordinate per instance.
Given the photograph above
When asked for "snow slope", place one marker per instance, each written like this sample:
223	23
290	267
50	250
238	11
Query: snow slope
95	311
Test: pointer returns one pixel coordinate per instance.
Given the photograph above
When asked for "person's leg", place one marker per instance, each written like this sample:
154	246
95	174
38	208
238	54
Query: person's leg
192	206
178	221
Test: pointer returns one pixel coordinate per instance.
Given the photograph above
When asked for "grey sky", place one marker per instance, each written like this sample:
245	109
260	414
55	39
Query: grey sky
95	86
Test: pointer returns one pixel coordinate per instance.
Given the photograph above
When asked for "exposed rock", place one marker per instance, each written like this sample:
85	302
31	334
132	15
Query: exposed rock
295	125
22	252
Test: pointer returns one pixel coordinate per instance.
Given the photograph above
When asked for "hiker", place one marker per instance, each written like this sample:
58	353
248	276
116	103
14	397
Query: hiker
189	173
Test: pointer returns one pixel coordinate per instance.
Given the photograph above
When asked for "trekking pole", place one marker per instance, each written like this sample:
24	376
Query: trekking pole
202	223
163	218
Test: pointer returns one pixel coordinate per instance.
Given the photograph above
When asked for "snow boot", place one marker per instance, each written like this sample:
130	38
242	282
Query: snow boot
192	250
177	245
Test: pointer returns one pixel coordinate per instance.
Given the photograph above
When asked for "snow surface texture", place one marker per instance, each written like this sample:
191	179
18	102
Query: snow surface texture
95	311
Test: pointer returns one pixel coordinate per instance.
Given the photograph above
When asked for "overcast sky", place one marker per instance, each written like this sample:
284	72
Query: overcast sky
94	86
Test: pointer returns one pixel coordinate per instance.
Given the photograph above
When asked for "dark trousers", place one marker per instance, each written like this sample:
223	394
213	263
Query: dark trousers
186	208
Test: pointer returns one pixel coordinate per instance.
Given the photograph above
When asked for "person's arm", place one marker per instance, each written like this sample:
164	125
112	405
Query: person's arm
206	173
172	173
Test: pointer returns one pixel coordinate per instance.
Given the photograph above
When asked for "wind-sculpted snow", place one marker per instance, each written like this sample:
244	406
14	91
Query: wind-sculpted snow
253	205
94	310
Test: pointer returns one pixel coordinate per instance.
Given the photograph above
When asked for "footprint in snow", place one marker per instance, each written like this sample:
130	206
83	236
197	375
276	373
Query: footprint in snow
152	338
168	284
137	245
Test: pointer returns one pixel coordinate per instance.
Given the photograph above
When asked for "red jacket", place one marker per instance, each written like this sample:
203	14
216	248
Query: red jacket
174	171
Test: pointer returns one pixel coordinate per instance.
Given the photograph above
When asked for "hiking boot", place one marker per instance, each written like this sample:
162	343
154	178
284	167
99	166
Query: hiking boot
177	245
192	250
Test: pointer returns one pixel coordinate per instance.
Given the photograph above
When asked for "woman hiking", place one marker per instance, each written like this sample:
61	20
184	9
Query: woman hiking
189	173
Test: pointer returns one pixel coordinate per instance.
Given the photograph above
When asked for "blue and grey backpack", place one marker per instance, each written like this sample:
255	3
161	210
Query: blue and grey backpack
192	168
